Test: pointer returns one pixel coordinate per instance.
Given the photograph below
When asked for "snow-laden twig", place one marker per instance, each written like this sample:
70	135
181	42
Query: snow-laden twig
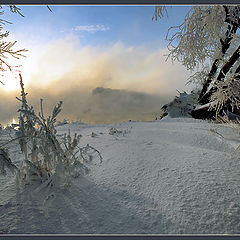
86	156
46	157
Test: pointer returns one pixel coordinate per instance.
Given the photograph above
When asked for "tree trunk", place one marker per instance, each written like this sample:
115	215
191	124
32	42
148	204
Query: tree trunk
205	113
225	44
225	69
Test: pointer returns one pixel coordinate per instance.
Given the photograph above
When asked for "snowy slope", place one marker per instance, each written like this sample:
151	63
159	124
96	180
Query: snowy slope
168	176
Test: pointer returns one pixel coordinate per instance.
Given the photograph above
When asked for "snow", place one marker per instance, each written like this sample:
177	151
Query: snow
177	175
181	106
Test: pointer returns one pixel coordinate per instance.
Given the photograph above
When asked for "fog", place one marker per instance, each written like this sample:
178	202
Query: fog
97	84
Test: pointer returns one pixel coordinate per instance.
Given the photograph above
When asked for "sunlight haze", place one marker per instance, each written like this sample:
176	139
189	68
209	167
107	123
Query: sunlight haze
76	49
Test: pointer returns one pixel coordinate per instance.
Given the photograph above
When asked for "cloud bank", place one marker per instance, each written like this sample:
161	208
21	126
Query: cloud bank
98	84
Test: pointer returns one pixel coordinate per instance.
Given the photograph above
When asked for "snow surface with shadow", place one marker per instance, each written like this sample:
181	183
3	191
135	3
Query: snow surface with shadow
168	176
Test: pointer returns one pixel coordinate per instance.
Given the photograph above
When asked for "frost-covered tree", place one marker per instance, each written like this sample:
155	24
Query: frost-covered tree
208	43
7	47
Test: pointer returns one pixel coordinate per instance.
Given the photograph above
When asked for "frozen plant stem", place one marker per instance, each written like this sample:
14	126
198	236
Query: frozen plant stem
44	155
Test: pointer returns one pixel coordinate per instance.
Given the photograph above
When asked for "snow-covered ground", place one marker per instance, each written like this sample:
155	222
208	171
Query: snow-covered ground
169	176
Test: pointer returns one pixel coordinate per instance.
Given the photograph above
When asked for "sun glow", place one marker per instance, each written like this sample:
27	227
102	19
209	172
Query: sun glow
23	65
10	81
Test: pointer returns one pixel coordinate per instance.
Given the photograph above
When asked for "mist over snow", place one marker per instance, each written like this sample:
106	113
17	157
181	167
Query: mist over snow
101	105
65	70
111	105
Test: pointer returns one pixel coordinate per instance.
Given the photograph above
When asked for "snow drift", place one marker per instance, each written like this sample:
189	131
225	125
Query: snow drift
170	176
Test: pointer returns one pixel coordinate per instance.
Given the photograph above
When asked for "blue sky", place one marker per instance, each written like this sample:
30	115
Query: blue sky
131	25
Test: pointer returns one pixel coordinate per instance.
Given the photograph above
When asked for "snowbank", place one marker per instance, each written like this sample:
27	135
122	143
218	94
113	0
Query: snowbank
169	176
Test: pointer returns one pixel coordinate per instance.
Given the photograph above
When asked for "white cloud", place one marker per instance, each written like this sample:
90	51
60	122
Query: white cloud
92	28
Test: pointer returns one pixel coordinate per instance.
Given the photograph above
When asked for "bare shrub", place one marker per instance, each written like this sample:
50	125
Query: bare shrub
45	157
